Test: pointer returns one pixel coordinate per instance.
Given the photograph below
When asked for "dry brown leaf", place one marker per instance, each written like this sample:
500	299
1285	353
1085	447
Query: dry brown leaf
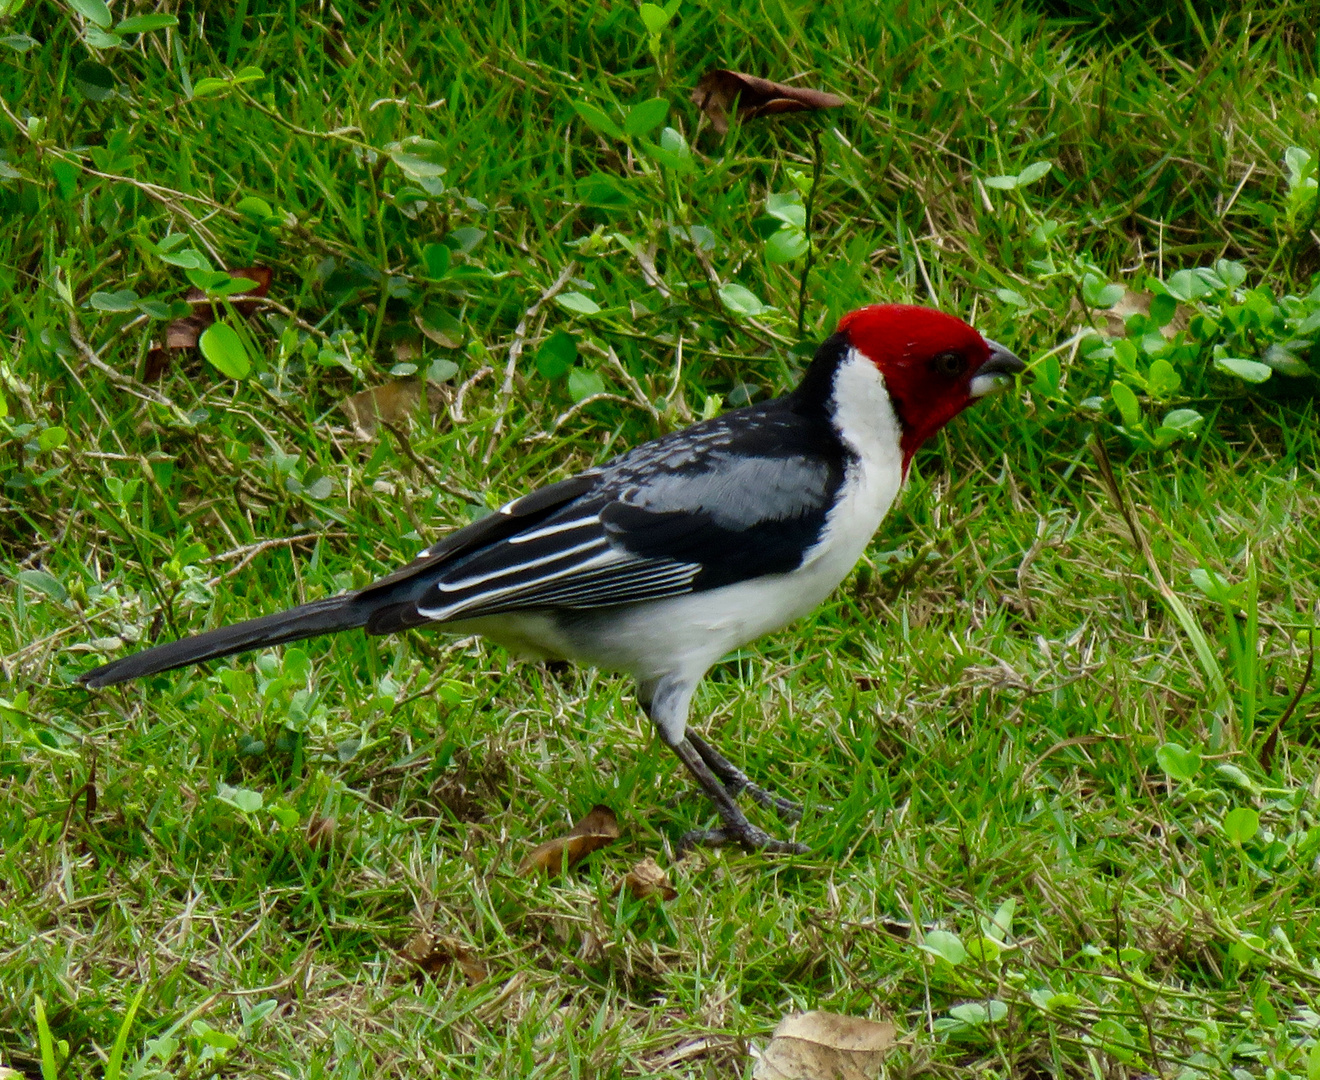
825	1046
260	276
431	953
158	362
321	832
393	402
183	333
204	315
1132	303
646	879
598	828
720	88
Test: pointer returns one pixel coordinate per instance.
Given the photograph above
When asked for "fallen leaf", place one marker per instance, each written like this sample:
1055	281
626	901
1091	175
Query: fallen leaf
720	88
183	333
321	832
158	362
1113	320
825	1046
391	402
431	953
598	828
646	879
245	302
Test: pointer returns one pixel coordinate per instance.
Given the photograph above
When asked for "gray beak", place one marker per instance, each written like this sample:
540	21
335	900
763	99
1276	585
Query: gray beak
997	372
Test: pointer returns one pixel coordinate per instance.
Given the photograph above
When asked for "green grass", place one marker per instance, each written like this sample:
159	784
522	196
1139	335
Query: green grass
982	704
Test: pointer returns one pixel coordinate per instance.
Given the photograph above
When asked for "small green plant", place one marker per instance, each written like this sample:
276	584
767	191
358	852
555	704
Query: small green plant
1200	336
656	18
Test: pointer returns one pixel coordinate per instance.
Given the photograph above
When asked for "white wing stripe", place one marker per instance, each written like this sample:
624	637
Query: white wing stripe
625	578
550	530
514	568
607	580
590	594
605	558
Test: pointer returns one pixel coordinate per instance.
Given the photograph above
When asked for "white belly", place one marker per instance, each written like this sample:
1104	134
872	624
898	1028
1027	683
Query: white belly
685	635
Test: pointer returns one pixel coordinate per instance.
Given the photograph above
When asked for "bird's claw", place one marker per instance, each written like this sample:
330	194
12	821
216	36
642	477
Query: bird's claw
749	837
787	809
736	781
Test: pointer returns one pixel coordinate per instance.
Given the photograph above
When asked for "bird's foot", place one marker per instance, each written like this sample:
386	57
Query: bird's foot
746	834
734	827
736	781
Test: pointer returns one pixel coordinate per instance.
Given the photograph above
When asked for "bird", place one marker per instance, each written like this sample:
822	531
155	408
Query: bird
665	559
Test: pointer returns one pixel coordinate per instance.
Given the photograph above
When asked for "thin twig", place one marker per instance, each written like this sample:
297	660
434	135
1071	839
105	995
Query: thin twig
638	393
816	167
921	265
336	134
96	405
288	313
515	352
1272	736
405	444
456	409
167	197
124	382
591	399
9	663
1251	168
248	552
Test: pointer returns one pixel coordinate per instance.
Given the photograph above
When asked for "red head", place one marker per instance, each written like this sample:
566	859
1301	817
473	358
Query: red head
934	365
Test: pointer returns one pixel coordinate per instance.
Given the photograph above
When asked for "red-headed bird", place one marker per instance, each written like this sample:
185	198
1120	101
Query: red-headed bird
667	558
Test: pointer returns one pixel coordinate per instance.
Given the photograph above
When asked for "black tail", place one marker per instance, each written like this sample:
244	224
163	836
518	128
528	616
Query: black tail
327	616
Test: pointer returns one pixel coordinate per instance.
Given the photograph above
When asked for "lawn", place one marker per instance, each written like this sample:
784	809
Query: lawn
290	290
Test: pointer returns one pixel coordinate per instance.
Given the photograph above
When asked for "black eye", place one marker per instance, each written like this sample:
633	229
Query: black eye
949	364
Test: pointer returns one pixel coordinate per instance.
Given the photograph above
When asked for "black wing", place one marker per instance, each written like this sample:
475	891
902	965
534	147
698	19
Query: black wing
713	504
395	596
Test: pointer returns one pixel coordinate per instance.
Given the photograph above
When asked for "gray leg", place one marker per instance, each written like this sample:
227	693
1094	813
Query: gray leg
735	828
666	704
737	781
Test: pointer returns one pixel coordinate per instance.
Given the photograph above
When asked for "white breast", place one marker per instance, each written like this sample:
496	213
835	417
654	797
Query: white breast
864	417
